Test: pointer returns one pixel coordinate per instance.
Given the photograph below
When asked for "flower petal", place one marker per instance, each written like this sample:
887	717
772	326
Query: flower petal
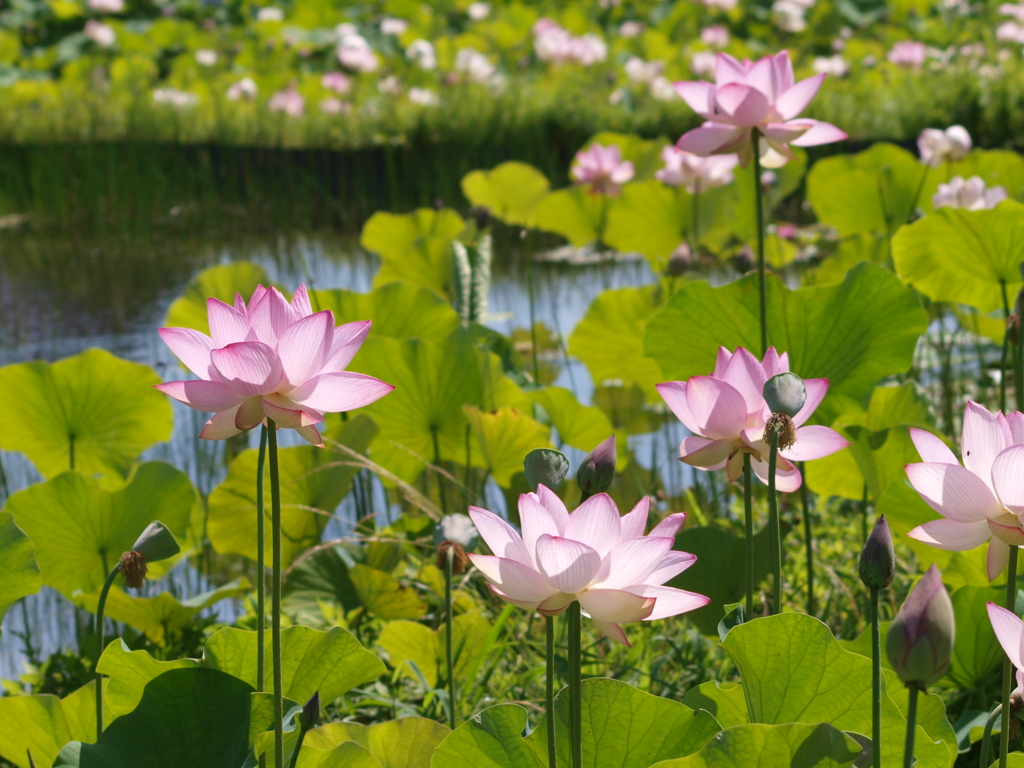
819	133
631	562
191	347
249	413
796	98
717	408
814	442
615	605
270	315
221	426
670	525
746	375
710	138
596	523
773	366
816	391
983	438
998	557
227	324
1008	478
670	601
556	604
671	565
742	105
209	396
311	435
953	491
500	537
674	395
304	346
787	478
699	96
250	367
704	453
289	415
568	565
729	70
348	338
613	632
1015	423
517	581
300	303
635	523
952	534
555	507
931	448
1009	631
535	522
340	391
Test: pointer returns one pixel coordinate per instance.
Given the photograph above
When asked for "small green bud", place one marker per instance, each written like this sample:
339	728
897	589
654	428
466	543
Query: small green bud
785	393
457	528
156	543
877	559
598	468
545	466
310	715
921	637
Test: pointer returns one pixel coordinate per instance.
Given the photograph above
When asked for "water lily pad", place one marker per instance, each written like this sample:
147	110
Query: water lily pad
397	310
408	742
505	436
42	724
413	247
406	641
510	191
794	745
19	574
92	412
220	282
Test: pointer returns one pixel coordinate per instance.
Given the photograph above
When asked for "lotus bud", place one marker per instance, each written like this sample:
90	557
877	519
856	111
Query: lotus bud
877	559
545	466
310	715
598	468
156	543
920	640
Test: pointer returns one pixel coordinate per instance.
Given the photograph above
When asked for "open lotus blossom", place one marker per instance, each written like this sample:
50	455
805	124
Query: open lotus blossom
971	194
272	358
696	173
936	146
593	556
602	168
749	95
983	500
727	414
1009	631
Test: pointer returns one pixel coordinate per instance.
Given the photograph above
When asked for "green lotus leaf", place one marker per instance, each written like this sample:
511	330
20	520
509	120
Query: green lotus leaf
794	745
220	282
505	436
510	191
976	651
408	742
19	574
578	425
128	672
413	247
346	755
398	310
44	723
319	576
80	528
92	412
405	641
962	256
492	739
726	703
313	483
383	596
835	332
573	213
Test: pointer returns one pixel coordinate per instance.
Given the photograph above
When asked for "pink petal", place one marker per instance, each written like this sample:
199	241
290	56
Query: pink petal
289	415
998	557
613	632
209	396
670	601
556	604
699	95
519	582
221	426
674	395
779	134
348	338
951	534
1008	478
555	507
191	347
304	347
499	536
795	99
670	525
729	70
983	438
340	391
671	565
227	324
615	605
722	361
816	391
772	365
783	71
635	523
631	562
311	435
710	138
300	303
1007	528
250	367
270	315
704	453
717	408
742	104
931	448
257	294
819	133
1009	631
239	303
595	523
734	467
787	478
814	442
249	414
746	375
535	522
1015	423
953	491
569	566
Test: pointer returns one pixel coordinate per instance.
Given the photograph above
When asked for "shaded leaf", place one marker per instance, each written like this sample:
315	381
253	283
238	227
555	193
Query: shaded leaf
794	745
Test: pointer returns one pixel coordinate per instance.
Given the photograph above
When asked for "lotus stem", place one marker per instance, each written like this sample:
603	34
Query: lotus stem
773	522
575	688
449	558
533	322
1011	600
864	515
876	683
986	737
808	543
298	747
748	522
261	568
755	136
908	749
275	592
437	469
99	638
549	626
695	227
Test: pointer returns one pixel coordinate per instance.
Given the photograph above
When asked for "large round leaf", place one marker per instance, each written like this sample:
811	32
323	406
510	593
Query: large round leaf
505	436
794	745
80	528
42	724
510	191
964	256
413	247
410	641
578	425
399	310
19	574
92	412
313	483
853	334
220	282
573	213
408	742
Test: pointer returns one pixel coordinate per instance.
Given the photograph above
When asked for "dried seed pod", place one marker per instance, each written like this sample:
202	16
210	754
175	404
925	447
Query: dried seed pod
786	429
133	568
460	561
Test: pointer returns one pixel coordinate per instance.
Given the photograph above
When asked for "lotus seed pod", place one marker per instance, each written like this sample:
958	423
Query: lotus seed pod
310	715
877	559
458	528
460	560
156	543
545	466
133	568
921	637
598	468
785	393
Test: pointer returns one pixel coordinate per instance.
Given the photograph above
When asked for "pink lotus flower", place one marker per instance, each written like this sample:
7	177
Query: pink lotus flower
907	54
271	359
696	173
983	500
602	168
1009	631
727	414
751	96
592	556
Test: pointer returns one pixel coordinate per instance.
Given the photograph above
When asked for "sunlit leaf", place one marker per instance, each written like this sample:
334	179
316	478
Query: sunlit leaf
220	282
383	595
399	310
410	641
44	723
127	673
319	576
574	213
578	425
726	703
413	247
509	191
19	574
794	745
407	742
505	436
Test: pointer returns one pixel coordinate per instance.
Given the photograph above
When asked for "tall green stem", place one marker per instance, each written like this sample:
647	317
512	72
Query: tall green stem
1011	603
533	321
261	569
986	738
449	558
575	686
298	747
275	592
748	525
755	136
695	226
908	748
99	638
773	521
1006	346
876	683
549	626
808	542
